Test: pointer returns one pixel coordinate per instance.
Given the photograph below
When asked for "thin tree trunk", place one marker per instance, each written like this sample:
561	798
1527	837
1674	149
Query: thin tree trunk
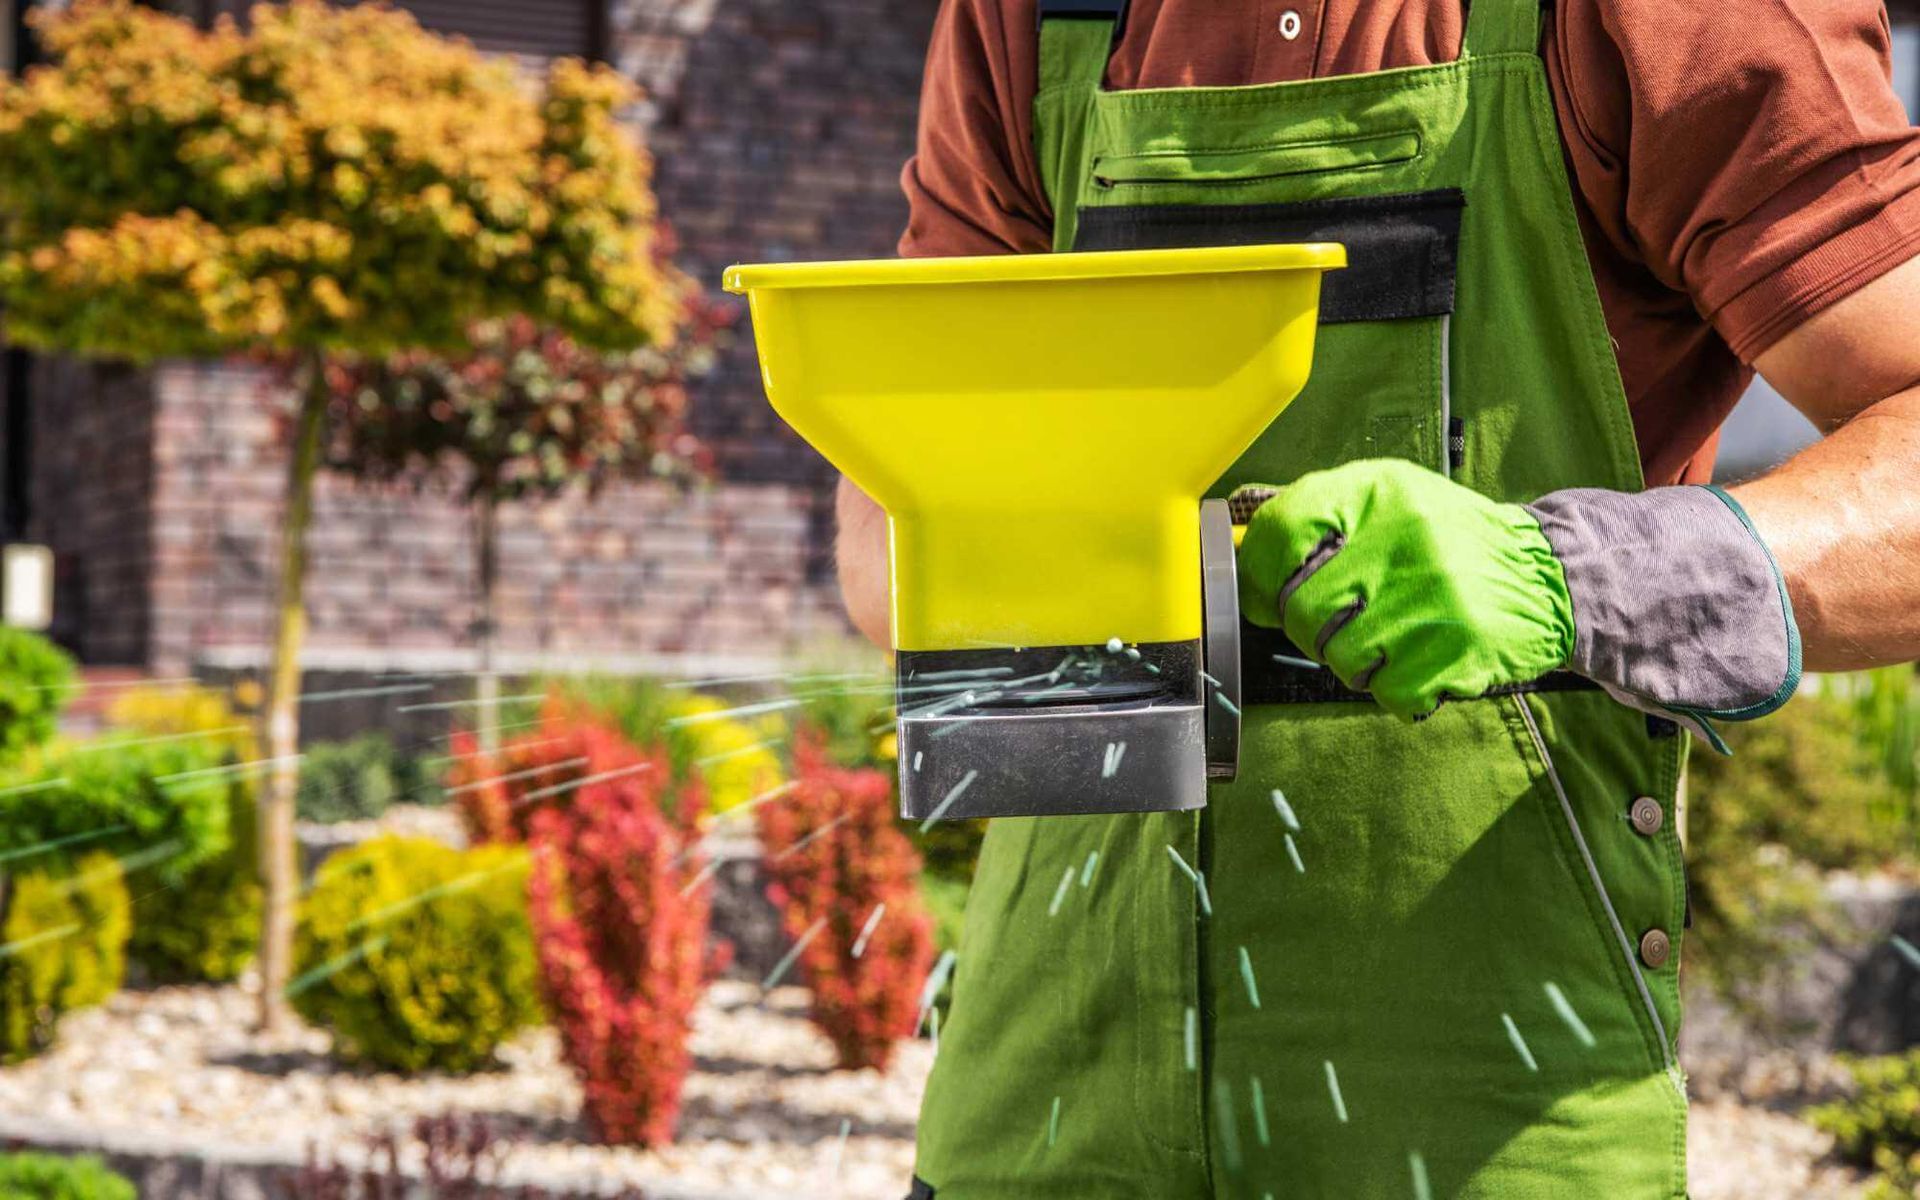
278	869
486	561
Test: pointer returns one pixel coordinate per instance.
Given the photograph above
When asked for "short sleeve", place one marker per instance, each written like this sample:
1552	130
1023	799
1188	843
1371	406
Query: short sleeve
972	185
1752	153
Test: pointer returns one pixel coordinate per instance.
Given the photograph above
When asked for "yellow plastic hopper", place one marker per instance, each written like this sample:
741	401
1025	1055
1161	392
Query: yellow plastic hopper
1039	428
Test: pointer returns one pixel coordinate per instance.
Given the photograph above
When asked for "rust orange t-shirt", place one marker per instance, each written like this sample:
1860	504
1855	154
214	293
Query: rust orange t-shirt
1737	165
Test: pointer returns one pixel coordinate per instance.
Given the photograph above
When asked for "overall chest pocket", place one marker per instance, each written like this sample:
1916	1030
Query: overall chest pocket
1253	164
1380	382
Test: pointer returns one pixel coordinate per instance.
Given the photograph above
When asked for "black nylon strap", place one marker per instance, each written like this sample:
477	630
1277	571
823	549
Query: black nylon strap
1083	10
1266	680
1402	249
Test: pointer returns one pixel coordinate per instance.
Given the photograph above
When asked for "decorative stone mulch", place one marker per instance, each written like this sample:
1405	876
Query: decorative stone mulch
182	1068
1741	1151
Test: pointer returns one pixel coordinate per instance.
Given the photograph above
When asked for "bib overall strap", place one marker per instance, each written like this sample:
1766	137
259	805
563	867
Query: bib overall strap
1502	27
1076	37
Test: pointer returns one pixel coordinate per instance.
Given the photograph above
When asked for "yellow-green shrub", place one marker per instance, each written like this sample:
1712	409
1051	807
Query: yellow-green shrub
121	795
208	713
34	677
65	930
418	956
36	1176
731	760
732	757
64	813
202	925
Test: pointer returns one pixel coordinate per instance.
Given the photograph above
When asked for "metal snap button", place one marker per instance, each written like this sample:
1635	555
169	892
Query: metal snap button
1655	947
1646	816
1290	24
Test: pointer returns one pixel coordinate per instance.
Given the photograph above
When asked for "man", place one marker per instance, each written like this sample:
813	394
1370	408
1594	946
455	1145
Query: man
1438	950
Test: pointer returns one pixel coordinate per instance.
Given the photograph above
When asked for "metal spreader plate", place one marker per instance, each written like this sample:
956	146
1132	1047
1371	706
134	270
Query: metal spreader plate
1220	598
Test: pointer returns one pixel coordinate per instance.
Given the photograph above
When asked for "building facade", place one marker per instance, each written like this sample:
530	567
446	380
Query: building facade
778	128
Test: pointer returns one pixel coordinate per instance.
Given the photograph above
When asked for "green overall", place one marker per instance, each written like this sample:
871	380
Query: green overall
1429	959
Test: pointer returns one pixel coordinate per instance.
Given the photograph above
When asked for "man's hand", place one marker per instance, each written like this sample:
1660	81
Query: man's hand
1416	589
1407	585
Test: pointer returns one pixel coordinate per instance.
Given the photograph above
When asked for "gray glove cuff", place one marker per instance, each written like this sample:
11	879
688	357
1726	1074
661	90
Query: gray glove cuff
1678	605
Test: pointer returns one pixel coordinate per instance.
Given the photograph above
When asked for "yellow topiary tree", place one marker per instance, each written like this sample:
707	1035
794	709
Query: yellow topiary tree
323	184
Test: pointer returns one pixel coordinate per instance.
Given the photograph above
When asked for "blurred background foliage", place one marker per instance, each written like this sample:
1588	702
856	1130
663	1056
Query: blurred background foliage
1810	789
25	1175
359	779
119	794
736	758
35	676
202	924
1828	783
1878	1127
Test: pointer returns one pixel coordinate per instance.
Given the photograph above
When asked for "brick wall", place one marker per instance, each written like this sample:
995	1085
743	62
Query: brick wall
779	127
641	577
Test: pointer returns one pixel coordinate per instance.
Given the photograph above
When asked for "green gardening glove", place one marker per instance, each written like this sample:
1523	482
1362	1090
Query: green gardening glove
1406	584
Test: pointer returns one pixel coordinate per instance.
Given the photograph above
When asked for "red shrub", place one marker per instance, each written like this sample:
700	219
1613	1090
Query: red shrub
622	944
834	852
620	931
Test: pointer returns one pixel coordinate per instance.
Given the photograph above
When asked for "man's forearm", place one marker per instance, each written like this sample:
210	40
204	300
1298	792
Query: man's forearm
1843	521
861	554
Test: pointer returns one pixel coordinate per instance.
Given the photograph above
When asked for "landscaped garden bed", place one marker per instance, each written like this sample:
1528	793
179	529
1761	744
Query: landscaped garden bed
178	1073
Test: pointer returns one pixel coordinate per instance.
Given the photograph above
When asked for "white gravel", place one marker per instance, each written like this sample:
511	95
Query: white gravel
763	1110
1742	1152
